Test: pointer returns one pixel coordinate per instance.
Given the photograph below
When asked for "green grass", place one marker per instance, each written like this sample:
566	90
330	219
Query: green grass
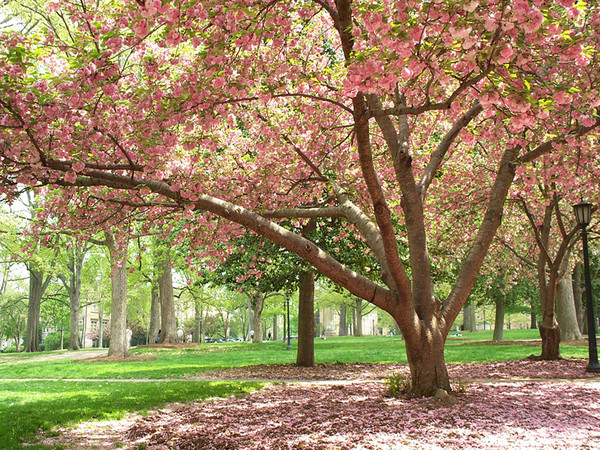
28	407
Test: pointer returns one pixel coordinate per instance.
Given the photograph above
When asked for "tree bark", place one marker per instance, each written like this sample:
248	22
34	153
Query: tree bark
306	321
469	323
565	310
154	313
118	306
578	295
168	320
550	343
427	364
499	319
343	329
37	287
258	302
274	337
359	310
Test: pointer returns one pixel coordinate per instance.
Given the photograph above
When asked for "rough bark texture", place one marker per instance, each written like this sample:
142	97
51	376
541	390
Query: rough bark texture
578	295
359	310
550	343
499	319
154	314
427	365
469	323
168	320
37	286
306	320
118	306
565	310
343	330
258	302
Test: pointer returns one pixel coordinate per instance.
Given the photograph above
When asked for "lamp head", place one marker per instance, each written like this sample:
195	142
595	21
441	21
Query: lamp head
583	213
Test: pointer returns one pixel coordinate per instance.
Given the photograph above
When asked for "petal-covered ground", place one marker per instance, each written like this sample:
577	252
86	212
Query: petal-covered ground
523	404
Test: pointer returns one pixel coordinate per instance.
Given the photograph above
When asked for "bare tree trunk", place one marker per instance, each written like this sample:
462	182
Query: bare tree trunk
306	321
168	320
578	295
565	310
118	307
469	323
343	330
274	337
37	287
154	313
499	319
198	335
359	310
258	302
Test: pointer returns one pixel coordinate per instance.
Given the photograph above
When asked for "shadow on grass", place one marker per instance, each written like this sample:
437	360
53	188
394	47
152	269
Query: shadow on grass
31	408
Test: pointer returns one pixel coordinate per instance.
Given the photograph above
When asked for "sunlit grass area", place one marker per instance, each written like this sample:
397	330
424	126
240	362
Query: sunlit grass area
30	406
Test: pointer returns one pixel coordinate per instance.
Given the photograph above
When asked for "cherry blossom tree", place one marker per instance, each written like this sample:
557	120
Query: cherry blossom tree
250	112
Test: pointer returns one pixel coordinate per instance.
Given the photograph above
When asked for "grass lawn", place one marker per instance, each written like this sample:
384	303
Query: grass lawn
30	406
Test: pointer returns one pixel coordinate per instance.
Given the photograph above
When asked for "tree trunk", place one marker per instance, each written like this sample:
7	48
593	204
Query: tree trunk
118	306
168	320
198	335
550	343
154	313
565	310
469	323
306	321
427	365
499	319
343	330
101	327
358	309
578	295
74	289
274	337
258	303
37	286
533	319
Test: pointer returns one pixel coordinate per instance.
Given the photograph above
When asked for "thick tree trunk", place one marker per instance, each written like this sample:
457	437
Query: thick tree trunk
469	323
550	343
343	330
258	303
306	320
533	319
565	310
578	295
499	320
426	361
74	289
118	306
154	314
37	286
358	309
274	337
168	320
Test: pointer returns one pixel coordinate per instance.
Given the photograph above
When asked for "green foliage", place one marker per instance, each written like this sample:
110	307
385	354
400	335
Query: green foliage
397	385
52	341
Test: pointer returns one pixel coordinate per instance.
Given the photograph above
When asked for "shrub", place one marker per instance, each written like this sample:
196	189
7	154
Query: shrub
397	385
52	341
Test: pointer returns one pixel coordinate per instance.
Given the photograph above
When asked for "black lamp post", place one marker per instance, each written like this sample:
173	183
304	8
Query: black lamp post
583	213
289	344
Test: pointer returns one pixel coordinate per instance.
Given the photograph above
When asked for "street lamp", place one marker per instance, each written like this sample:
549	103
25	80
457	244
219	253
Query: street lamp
583	213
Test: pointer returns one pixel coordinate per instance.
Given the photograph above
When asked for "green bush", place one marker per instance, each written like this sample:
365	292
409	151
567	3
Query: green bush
52	341
397	385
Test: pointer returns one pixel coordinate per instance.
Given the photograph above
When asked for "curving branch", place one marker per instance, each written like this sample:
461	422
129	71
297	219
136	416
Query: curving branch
437	157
